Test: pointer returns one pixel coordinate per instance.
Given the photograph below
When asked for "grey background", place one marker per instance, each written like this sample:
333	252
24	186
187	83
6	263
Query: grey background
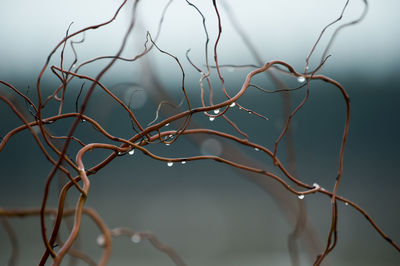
210	213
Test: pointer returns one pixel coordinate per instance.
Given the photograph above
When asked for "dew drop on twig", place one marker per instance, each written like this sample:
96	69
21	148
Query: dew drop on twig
232	104
100	240
136	238
212	118
131	152
170	164
183	162
301	79
216	111
301	196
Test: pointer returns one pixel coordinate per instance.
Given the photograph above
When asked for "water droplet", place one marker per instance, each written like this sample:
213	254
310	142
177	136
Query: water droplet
301	79
256	149
131	152
250	112
83	120
315	185
101	241
232	104
170	136
346	203
183	162
212	118
167	144
136	238
167	124
170	164
216	111
301	196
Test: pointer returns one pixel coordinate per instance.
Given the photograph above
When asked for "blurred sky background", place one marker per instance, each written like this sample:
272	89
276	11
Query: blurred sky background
210	213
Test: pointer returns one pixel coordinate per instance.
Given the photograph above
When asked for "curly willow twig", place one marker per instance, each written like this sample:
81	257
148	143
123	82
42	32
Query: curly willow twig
147	134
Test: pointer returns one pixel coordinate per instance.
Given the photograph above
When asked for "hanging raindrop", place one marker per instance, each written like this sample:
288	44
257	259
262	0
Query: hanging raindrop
212	118
301	196
101	241
136	238
301	79
170	164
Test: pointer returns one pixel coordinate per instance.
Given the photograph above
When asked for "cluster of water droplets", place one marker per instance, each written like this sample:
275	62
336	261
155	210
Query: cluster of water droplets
170	164
217	111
